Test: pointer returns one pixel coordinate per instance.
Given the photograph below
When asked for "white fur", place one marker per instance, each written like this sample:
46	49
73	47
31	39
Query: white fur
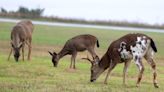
140	49
123	51
125	54
138	63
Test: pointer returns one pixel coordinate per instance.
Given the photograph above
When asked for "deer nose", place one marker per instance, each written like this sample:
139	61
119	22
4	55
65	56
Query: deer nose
55	65
92	80
16	59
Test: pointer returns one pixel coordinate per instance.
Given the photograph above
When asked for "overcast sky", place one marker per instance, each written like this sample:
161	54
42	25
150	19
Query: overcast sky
147	11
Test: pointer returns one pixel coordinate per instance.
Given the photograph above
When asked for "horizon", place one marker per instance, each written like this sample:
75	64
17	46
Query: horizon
149	12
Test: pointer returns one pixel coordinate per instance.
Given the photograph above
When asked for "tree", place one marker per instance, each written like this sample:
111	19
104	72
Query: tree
37	12
3	10
33	13
23	10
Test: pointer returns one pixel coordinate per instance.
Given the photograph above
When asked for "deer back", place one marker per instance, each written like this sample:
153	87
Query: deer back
80	42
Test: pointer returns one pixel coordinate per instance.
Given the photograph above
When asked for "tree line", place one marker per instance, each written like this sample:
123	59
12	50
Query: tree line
37	14
23	12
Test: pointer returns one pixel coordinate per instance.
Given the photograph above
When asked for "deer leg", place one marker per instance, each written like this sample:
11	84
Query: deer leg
109	70
141	70
10	54
73	60
127	63
153	66
149	58
75	54
23	52
29	53
29	49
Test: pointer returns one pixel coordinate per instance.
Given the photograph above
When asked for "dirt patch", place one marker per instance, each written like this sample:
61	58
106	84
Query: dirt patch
70	70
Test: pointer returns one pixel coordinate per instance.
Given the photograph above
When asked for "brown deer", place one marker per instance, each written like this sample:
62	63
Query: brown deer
76	44
21	34
131	46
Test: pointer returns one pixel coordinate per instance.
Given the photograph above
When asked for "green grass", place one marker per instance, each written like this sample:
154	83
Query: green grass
38	75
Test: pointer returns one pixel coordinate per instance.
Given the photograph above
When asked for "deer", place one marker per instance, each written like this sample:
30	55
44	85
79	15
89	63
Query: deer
21	35
73	46
133	46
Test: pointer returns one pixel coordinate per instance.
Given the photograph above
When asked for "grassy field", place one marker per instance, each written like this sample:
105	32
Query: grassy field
39	75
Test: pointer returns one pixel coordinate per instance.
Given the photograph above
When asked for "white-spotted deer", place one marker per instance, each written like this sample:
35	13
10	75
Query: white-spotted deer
21	34
131	46
76	44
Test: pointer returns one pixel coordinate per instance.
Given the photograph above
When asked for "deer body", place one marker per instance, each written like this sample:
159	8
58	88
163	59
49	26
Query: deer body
131	46
21	34
74	45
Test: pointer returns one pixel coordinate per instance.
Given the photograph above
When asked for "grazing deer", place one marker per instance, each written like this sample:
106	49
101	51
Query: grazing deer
74	45
21	34
131	46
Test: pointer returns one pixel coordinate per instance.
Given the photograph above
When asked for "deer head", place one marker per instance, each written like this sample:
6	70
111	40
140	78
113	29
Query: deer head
16	50
95	69
55	58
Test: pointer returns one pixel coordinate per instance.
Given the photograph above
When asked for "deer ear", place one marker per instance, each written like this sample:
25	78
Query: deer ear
20	45
55	53
50	53
12	44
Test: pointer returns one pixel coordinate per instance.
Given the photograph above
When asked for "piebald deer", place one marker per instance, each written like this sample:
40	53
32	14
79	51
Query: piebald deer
131	46
76	44
21	34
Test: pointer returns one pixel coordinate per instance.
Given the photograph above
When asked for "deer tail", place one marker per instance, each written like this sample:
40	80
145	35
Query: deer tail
153	45
98	44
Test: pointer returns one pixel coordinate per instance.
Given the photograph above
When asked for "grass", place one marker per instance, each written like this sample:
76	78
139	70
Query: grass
38	75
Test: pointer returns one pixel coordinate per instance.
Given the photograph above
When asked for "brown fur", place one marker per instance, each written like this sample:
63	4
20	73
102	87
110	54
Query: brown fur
112	57
21	34
74	45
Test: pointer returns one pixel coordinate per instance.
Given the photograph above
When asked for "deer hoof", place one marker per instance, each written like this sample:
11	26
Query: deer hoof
137	85
105	83
156	85
74	68
124	84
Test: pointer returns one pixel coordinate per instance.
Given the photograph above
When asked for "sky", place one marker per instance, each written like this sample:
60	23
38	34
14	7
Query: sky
143	11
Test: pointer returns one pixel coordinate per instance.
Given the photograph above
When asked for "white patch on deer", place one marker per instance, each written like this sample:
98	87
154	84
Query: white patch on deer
139	50
144	37
124	54
137	61
152	53
140	47
123	51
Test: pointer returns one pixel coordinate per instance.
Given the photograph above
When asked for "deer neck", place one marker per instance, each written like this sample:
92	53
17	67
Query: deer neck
16	41
104	62
62	53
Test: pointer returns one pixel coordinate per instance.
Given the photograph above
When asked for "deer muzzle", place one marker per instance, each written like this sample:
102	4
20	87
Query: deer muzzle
92	80
55	65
